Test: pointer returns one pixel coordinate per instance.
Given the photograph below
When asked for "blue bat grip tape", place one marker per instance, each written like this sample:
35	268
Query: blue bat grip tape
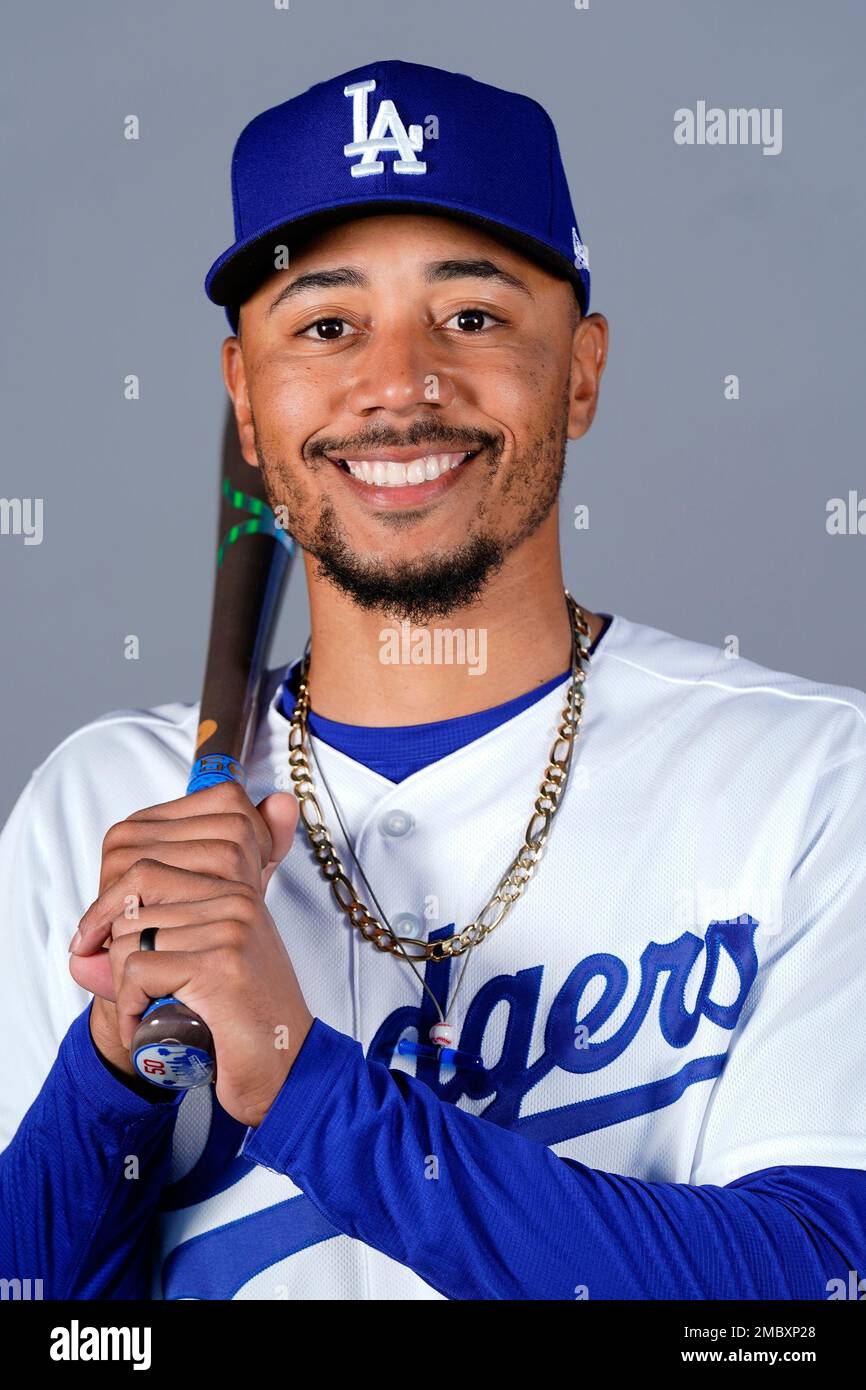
216	767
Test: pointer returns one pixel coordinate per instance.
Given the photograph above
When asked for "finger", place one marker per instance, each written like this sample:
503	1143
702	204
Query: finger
149	975
225	859
231	825
192	937
94	973
224	798
225	919
241	905
148	882
279	811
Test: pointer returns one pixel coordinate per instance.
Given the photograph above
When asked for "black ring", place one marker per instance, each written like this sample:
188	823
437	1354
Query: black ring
147	939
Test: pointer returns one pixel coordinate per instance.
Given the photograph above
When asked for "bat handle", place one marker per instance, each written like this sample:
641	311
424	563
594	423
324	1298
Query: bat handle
172	1046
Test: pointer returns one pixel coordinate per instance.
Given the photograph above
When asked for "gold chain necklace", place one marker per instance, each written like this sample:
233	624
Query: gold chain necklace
518	873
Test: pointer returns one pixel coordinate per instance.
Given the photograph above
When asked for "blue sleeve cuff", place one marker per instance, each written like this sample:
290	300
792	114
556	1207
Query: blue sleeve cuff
324	1056
98	1088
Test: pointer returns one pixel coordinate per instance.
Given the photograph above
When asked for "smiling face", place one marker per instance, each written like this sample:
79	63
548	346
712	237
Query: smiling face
407	387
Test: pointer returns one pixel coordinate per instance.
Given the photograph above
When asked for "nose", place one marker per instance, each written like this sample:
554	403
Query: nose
398	373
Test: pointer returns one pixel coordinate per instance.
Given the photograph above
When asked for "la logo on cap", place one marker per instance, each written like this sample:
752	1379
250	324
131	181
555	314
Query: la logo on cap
581	252
387	133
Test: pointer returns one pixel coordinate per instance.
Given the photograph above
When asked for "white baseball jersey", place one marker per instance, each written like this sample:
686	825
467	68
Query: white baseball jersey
699	914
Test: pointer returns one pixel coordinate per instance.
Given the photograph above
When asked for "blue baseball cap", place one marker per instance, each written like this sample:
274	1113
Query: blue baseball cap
395	136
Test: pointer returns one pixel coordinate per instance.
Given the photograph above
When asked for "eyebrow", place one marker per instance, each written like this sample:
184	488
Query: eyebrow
476	269
338	278
436	272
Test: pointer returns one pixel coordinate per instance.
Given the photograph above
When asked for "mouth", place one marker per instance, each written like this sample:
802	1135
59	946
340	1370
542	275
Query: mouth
388	470
394	477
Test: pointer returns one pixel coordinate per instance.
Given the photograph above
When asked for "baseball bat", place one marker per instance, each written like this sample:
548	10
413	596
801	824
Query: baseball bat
172	1045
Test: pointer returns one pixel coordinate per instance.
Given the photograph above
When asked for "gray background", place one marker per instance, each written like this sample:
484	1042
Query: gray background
707	517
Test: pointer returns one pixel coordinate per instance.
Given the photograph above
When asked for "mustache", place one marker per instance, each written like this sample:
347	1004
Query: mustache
421	433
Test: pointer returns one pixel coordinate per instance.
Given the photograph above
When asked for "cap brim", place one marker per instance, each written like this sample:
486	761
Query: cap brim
244	267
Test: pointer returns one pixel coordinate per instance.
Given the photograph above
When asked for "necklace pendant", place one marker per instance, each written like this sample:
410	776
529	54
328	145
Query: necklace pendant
442	1034
461	1061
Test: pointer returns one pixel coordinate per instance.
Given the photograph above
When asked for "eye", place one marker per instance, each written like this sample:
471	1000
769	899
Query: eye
327	330
472	320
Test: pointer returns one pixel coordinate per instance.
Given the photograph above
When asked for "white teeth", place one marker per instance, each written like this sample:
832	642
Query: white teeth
389	473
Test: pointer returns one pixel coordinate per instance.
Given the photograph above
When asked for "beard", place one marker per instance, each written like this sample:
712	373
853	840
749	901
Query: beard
434	586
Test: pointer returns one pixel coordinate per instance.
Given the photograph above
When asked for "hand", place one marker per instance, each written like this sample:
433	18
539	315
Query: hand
197	868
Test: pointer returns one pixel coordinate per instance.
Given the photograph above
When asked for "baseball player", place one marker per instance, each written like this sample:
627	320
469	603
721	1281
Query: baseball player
584	1015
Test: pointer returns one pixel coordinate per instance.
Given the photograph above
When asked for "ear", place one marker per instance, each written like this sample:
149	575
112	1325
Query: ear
588	358
234	376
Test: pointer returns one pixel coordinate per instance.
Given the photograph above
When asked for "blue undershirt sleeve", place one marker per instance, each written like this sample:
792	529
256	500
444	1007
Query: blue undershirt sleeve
81	1178
480	1212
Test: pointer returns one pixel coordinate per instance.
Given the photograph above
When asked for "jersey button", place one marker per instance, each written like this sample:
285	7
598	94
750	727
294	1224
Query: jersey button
396	823
407	924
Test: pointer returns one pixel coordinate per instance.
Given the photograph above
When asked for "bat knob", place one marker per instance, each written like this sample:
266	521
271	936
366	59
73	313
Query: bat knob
173	1047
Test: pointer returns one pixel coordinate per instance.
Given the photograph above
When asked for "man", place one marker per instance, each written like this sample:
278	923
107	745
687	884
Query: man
647	1079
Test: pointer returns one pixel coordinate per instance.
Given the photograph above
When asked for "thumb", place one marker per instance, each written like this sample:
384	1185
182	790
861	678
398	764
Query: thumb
280	812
